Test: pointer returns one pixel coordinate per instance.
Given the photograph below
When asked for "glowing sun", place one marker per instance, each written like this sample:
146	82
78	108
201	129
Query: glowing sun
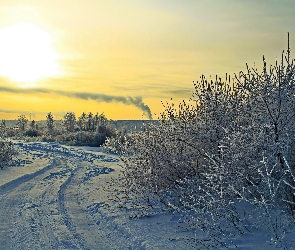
26	54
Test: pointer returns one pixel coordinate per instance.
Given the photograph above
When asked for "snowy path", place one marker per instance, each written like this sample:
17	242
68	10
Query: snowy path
62	205
36	209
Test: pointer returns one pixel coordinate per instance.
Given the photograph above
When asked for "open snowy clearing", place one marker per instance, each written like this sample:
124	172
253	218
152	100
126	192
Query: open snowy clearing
55	197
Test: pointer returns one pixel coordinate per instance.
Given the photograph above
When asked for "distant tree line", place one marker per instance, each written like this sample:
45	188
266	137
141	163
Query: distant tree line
86	130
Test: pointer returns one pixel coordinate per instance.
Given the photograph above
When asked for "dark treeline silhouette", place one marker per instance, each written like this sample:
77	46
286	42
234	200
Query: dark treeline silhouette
86	130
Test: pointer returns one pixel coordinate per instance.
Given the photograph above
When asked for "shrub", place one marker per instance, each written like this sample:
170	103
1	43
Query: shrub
99	139
11	132
22	122
6	153
234	146
32	133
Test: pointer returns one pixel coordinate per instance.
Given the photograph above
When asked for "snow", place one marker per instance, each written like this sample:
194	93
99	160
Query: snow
56	197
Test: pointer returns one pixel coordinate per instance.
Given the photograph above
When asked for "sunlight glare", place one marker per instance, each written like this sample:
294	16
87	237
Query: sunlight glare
26	54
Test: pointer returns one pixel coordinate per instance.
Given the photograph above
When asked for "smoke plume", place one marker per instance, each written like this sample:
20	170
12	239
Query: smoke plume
128	100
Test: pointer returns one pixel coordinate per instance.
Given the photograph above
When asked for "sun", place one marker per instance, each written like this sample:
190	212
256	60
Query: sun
26	54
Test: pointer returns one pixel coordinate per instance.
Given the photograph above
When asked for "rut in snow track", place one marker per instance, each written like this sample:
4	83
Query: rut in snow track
78	239
24	223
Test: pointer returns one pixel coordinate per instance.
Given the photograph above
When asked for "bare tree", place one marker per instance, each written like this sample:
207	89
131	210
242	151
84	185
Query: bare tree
22	122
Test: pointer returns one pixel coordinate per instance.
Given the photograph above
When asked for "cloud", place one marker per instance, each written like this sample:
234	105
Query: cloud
30	113
14	111
128	100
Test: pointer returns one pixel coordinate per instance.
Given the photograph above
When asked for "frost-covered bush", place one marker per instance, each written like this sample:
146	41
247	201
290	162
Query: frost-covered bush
230	148
50	123
115	142
7	153
10	132
32	132
88	138
22	122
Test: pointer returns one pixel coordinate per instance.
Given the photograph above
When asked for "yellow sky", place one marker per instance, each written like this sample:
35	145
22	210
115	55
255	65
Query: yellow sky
122	57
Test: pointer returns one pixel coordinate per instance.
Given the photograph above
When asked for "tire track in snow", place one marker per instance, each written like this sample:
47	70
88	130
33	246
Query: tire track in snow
78	239
28	212
47	230
39	210
23	213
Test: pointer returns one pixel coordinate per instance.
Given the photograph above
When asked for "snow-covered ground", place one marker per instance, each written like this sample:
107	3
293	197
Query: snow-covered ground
55	197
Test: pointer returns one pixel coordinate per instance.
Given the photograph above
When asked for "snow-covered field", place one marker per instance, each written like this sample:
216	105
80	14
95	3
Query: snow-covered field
55	197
